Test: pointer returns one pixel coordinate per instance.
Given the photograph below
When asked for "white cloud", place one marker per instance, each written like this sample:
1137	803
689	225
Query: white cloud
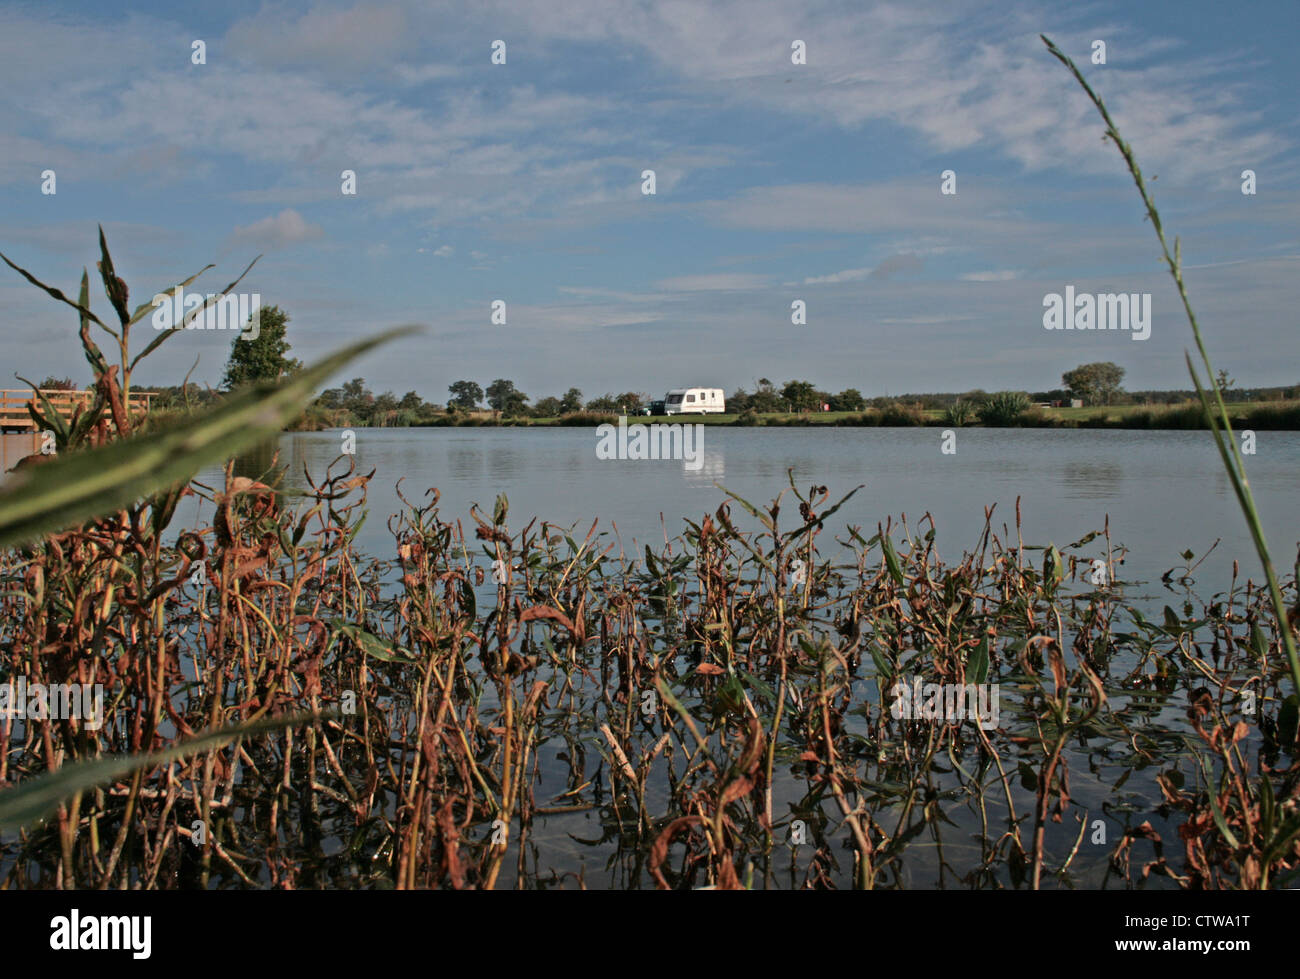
887	269
355	37
420	74
847	275
286	228
960	76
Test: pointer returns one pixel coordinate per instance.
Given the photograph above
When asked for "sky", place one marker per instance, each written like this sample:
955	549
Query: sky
775	182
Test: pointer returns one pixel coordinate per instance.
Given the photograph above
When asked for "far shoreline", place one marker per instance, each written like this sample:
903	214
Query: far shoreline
1252	416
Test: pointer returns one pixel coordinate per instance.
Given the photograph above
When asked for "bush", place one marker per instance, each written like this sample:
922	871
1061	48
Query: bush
1004	408
901	416
583	418
958	413
869	419
1271	417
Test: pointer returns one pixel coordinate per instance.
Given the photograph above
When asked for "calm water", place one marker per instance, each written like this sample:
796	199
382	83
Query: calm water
1164	492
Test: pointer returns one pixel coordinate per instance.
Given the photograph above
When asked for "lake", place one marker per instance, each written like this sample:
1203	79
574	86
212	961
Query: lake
1162	492
1165	491
939	798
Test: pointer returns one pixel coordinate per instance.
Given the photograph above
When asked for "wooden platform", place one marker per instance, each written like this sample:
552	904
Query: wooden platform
13	405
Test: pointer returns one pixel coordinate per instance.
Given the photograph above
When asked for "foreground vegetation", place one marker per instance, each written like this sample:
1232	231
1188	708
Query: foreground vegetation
716	712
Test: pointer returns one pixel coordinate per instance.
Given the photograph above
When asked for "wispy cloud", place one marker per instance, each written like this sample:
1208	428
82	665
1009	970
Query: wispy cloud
718	282
996	275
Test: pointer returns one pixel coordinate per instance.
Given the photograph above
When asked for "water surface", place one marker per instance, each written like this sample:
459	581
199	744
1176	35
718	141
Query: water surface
1164	492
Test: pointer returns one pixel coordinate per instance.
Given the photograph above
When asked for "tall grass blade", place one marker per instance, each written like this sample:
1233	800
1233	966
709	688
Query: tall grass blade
1216	412
38	797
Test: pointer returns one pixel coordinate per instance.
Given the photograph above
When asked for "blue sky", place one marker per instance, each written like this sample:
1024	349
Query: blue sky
775	182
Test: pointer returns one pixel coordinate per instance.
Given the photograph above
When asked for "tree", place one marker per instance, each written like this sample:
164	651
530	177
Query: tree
261	358
606	404
765	398
503	396
64	384
411	402
630	402
1095	383
331	398
800	395
465	395
189	396
357	397
548	408
572	401
738	403
354	397
850	399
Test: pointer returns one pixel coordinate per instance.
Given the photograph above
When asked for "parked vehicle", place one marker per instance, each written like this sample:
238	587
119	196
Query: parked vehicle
695	401
654	408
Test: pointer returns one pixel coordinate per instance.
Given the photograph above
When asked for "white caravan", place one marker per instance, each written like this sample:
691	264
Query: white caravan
694	401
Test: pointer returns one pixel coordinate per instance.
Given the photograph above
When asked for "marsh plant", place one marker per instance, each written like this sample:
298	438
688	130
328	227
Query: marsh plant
958	413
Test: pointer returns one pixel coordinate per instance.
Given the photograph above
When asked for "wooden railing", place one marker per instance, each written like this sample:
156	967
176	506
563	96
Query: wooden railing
15	418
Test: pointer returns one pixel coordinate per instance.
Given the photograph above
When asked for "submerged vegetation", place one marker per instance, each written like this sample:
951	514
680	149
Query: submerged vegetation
532	706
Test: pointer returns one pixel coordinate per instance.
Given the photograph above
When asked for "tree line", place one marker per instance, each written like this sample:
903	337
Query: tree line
353	403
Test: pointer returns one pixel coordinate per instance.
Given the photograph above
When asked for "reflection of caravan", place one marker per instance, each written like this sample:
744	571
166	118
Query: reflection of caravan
694	401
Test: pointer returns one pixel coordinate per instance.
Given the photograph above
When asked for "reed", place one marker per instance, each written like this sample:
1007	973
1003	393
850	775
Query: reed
1212	404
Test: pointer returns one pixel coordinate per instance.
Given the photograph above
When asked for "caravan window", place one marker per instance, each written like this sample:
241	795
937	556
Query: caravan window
690	397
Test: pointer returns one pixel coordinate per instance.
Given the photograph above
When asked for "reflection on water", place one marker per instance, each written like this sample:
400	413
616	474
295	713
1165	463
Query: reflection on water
1164	491
1092	480
255	463
713	468
505	462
